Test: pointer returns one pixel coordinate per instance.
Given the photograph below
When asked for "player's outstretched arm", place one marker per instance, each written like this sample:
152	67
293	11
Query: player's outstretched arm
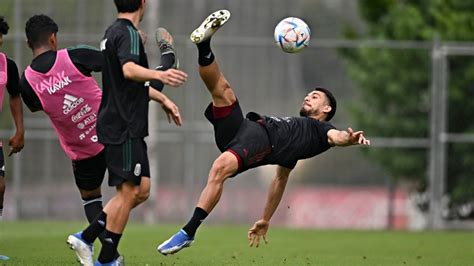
347	138
275	192
170	108
17	141
171	77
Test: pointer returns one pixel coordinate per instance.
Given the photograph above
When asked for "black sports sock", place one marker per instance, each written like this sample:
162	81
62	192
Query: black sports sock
92	208
109	247
198	216
206	57
167	62
95	228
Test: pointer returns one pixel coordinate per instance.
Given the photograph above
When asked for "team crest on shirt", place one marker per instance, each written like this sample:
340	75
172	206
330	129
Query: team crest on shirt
138	169
102	44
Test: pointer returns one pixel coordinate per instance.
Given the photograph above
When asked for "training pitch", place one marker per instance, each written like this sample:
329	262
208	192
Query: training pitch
44	243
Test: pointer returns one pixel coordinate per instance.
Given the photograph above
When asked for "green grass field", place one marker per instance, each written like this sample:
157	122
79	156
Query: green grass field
43	243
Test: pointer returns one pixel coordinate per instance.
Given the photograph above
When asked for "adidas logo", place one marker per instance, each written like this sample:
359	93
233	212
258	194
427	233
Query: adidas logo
101	223
70	103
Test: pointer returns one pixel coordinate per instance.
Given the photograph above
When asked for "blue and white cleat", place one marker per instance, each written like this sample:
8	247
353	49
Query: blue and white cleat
176	243
84	250
210	25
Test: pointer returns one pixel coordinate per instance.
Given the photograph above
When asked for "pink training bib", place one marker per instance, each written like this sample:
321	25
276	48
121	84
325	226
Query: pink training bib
3	77
71	100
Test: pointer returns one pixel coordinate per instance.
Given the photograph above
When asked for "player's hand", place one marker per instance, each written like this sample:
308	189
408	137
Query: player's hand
17	142
173	77
259	230
357	137
172	112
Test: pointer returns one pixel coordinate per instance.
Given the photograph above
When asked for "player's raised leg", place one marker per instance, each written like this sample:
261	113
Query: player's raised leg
222	94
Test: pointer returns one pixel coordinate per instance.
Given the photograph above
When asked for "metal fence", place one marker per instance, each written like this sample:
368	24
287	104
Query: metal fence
338	186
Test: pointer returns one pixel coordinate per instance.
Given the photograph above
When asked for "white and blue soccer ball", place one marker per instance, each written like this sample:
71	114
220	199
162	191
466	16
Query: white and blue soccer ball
292	34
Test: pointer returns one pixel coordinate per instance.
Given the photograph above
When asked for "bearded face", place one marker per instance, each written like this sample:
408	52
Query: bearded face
314	104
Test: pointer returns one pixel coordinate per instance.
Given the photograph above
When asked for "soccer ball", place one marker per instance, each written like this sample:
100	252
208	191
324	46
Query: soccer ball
292	34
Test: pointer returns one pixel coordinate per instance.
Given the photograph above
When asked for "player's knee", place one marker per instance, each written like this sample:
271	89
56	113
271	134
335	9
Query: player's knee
219	171
141	196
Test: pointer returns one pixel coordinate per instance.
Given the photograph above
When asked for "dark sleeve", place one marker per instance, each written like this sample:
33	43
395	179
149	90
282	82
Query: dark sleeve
324	127
28	96
13	86
86	58
128	46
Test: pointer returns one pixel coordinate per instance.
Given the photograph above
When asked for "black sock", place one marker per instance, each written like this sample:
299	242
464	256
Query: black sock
109	247
95	228
167	62
206	57
198	216
92	208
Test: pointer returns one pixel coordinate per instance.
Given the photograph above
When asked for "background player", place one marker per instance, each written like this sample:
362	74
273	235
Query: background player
255	140
9	80
122	126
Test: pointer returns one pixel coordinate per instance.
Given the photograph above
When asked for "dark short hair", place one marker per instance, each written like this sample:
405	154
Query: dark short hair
332	102
127	6
3	26
38	28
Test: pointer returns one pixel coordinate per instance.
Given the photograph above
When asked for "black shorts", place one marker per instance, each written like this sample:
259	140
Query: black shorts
127	162
247	140
2	162
89	173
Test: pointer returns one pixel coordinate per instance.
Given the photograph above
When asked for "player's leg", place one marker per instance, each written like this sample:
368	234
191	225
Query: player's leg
88	175
223	167
2	180
226	165
2	191
168	59
218	86
118	209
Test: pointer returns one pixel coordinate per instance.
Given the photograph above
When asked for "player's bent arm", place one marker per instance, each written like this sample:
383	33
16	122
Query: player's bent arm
172	77
156	95
16	108
170	108
346	138
275	192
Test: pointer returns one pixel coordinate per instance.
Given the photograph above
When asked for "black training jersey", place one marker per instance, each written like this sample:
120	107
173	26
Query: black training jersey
13	87
123	112
295	138
86	59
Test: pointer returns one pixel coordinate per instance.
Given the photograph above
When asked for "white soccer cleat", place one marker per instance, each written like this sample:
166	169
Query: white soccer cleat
210	25
83	250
